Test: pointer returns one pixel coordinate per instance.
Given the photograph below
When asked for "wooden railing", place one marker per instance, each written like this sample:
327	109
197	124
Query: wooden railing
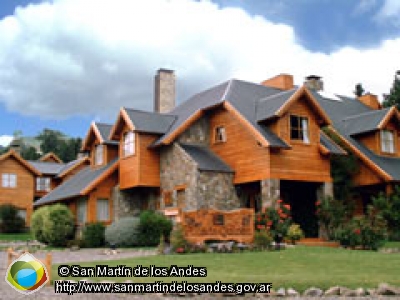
202	225
47	261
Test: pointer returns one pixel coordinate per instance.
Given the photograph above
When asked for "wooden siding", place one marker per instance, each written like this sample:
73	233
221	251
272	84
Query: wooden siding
141	168
22	196
241	150
371	141
366	176
302	162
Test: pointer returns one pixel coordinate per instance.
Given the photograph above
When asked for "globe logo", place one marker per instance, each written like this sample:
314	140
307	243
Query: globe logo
27	274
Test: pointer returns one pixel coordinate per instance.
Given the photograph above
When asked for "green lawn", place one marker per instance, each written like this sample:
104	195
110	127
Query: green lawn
15	236
392	245
300	267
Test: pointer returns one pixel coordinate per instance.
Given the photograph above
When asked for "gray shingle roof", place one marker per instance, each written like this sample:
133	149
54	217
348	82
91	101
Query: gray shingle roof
268	107
46	168
74	186
206	160
350	107
364	122
104	130
150	122
331	145
69	165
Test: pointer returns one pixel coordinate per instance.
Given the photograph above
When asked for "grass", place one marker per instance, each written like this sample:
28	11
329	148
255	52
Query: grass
392	245
299	267
15	236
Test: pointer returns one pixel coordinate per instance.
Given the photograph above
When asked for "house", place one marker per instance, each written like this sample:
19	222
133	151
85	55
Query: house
235	145
88	189
24	181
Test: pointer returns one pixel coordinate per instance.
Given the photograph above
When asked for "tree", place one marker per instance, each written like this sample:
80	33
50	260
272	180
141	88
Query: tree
394	97
359	90
29	153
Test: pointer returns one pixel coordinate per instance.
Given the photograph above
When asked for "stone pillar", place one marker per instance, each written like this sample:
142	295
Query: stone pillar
164	91
125	203
325	190
270	192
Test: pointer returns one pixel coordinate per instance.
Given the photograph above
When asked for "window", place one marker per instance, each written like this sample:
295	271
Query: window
180	198
9	180
103	210
299	129
43	184
387	141
168	202
129	143
220	134
81	211
98	155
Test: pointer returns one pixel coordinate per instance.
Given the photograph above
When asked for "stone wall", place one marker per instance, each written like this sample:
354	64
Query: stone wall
198	133
177	168
131	202
270	192
216	190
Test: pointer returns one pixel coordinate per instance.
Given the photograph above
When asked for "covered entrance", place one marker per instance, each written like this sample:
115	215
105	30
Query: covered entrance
250	195
301	196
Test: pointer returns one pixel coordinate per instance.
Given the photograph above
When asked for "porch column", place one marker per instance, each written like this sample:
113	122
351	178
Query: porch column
270	192
325	190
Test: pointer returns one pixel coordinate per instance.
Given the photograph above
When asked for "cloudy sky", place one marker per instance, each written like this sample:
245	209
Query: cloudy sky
64	63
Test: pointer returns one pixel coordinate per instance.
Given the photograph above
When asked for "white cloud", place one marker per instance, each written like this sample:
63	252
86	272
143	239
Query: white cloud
390	9
5	140
75	57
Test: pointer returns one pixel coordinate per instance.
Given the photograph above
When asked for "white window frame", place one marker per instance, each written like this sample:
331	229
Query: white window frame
99	155
129	145
388	141
43	184
9	180
103	210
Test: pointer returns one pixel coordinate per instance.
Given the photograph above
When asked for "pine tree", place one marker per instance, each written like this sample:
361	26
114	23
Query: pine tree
394	97
359	90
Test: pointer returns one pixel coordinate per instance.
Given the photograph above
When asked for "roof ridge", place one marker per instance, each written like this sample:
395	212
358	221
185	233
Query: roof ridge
366	113
148	112
276	95
227	89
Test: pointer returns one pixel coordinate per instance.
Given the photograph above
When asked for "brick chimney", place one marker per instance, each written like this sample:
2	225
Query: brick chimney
370	100
314	82
164	91
281	81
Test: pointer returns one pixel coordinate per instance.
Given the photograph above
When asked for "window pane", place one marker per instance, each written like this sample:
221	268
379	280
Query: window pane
103	210
98	155
304	124
4	180
81	211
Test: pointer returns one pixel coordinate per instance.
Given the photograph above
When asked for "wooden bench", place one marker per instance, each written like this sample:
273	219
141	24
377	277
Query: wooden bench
47	261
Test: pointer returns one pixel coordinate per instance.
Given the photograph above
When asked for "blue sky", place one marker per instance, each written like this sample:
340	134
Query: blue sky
61	69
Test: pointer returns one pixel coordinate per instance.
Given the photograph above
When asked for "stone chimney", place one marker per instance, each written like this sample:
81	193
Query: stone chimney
370	100
164	91
281	81
314	82
16	145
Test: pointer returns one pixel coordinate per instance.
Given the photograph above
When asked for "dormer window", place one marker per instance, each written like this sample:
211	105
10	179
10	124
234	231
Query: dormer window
220	134
387	141
299	129
99	155
43	184
129	143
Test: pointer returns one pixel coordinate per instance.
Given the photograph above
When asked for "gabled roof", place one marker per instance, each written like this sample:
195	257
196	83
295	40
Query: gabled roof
46	168
142	121
330	145
205	159
100	132
69	167
386	167
51	157
365	122
79	185
23	162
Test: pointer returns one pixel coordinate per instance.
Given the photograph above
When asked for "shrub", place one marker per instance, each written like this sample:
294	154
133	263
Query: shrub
294	233
10	221
262	239
276	221
178	240
153	225
389	208
37	227
93	235
367	232
124	232
58	225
